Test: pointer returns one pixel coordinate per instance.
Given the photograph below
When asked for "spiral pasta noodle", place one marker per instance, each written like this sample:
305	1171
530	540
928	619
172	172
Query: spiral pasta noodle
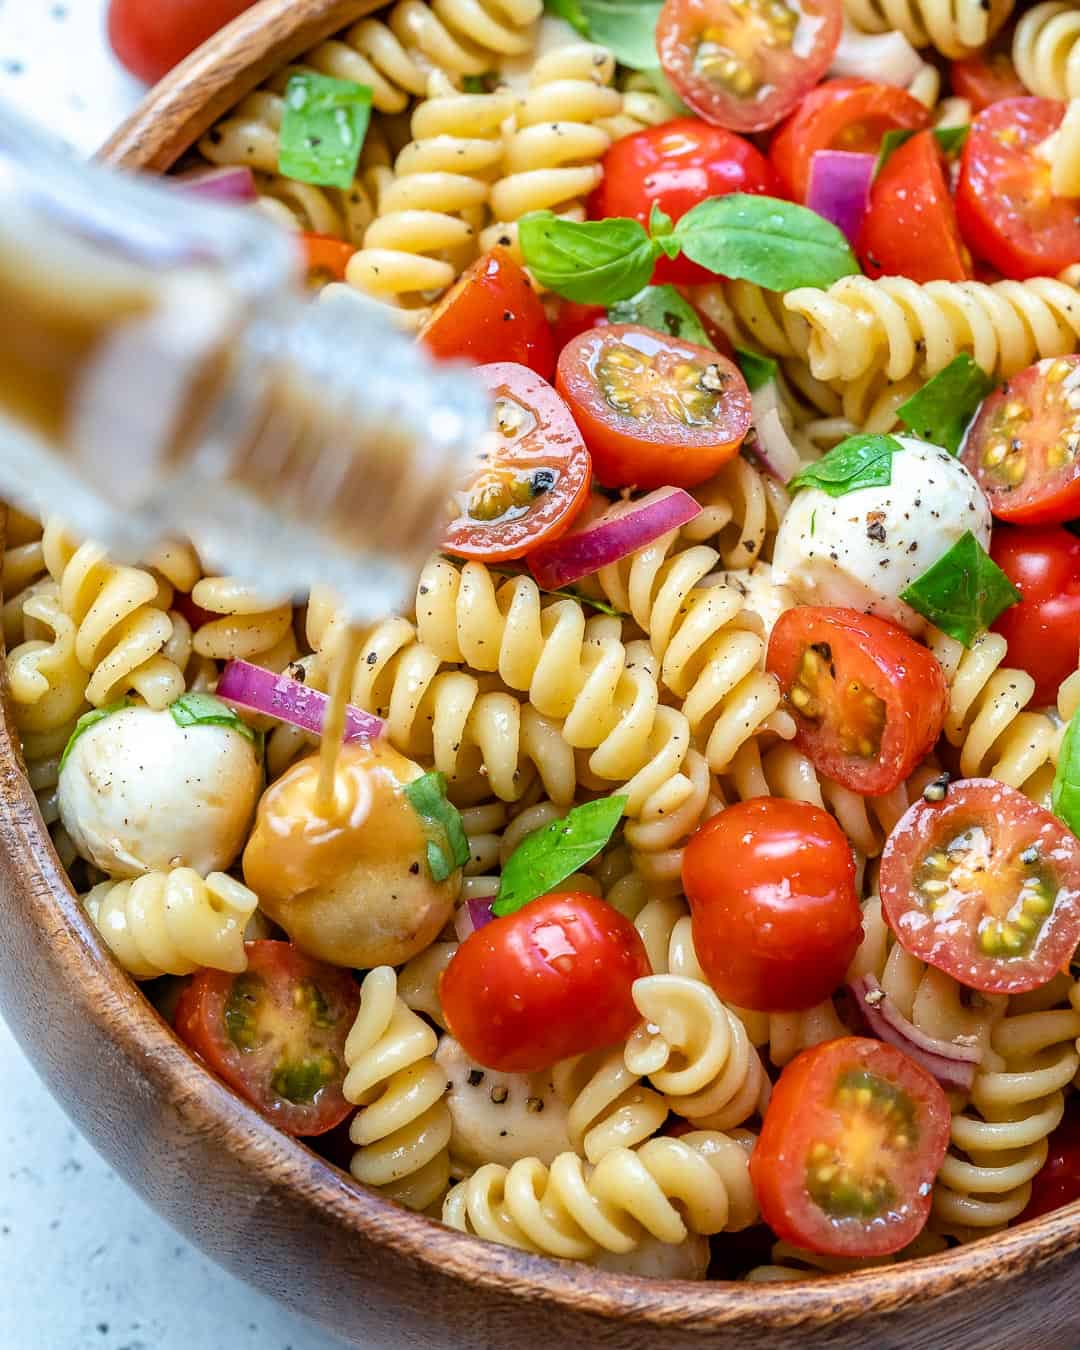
955	28
1062	151
173	923
789	1263
250	627
23	571
402	1129
1046	50
607	1105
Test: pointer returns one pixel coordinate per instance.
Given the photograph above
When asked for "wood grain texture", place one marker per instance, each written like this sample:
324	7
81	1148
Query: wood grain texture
279	1216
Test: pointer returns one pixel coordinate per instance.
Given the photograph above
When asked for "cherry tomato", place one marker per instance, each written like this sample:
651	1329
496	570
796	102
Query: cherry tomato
1058	1181
777	931
326	258
675	166
984	885
572	319
195	614
1007	213
276	1033
492	314
149	37
1024	443
534	476
846	114
985	78
744	64
909	229
1043	630
868	701
653	410
550	981
852	1140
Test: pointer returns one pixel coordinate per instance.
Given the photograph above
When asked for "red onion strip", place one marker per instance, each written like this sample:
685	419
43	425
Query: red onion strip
840	188
236	185
951	1064
290	701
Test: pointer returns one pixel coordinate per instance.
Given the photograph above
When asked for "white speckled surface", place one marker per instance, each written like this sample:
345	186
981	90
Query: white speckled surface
84	1265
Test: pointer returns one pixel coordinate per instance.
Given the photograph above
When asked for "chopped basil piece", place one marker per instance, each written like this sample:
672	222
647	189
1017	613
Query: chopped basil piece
943	407
963	592
664	310
450	850
1065	797
551	854
323	129
756	370
859	462
951	139
91	719
204	710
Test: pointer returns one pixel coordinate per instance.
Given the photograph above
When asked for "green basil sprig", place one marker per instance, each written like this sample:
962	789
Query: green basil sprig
204	710
963	592
450	850
91	719
859	462
1065	795
664	310
773	244
943	407
626	27
551	854
323	129
756	370
951	140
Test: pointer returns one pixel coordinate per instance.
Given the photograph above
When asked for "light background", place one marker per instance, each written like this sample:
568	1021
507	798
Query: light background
84	1265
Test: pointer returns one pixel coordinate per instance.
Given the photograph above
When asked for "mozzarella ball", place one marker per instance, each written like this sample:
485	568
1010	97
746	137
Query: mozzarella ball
350	884
865	548
138	793
656	1260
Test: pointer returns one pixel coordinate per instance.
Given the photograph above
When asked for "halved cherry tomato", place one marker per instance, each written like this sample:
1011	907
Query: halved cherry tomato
845	114
744	64
1007	213
777	929
1023	446
653	410
149	37
572	319
868	701
909	229
675	166
533	476
276	1033
326	258
985	78
492	314
550	981
1043	630
852	1140
984	885
1057	1183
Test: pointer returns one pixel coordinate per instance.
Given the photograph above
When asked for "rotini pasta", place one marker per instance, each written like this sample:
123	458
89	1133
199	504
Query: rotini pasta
954	27
1046	50
250	628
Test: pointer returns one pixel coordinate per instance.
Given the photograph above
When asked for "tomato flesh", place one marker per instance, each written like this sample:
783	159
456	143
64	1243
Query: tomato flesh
1007	213
776	933
744	64
868	701
149	37
325	258
532	475
549	981
492	314
852	1139
987	77
984	885
653	410
1024	444
276	1033
1043	630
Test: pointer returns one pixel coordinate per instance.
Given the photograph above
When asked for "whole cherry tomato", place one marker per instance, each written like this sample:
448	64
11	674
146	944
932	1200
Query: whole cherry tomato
325	258
985	78
1043	630
572	319
149	37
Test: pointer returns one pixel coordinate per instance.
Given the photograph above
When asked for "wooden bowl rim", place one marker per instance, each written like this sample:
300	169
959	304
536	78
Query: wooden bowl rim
167	122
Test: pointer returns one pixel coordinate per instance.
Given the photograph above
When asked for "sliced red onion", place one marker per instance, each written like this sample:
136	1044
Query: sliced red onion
472	915
773	445
840	188
951	1064
622	529
288	700
225	185
885	58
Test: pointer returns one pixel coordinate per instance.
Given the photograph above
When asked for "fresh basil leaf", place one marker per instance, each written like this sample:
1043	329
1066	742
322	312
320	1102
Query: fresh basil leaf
1065	795
963	592
596	262
569	10
756	370
859	462
664	310
475	84
773	244
943	407
549	855
627	28
450	850
204	710
666	90
951	139
91	719
323	129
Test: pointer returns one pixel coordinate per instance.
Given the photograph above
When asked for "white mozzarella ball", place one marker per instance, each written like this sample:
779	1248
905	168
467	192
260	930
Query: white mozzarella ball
656	1260
138	793
864	549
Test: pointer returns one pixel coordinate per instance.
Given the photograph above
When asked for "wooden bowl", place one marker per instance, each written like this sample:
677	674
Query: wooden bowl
276	1214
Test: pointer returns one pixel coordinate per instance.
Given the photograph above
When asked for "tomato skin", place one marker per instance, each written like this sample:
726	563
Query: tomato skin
843	114
910	225
799	1111
492	313
985	78
325	257
200	1022
899	671
149	37
778	933
675	166
1007	213
1043	630
655	449
1057	1183
549	981
782	76
1014	824
573	319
